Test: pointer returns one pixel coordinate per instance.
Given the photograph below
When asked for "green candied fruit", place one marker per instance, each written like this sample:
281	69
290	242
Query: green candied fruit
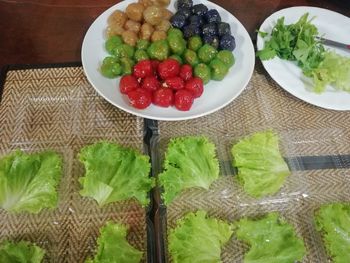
130	51
141	54
110	68
175	31
177	44
127	65
142	44
178	58
190	57
218	69
195	43
158	50
206	53
112	43
124	50
227	57
202	71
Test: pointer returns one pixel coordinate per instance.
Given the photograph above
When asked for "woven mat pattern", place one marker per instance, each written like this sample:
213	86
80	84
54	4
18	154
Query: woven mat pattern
56	108
304	130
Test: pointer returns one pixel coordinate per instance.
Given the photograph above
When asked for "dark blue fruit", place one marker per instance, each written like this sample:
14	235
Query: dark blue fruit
212	16
196	20
209	29
184	4
223	29
178	20
227	42
191	30
185	11
211	40
199	10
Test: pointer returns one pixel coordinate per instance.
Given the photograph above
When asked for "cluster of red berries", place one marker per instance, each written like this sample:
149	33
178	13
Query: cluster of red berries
165	84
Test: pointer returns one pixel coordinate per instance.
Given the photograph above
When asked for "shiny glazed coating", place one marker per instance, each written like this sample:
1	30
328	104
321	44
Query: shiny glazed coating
133	26
117	18
134	11
153	15
130	37
146	31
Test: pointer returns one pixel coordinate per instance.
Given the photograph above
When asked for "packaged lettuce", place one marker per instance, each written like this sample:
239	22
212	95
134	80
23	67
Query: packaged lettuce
112	246
198	238
271	239
189	162
114	173
333	221
261	167
28	182
21	252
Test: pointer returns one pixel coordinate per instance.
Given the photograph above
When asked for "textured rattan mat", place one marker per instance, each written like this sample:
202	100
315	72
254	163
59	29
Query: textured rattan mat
56	108
312	140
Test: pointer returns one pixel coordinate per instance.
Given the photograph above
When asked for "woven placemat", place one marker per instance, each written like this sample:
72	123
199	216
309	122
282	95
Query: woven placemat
310	137
56	108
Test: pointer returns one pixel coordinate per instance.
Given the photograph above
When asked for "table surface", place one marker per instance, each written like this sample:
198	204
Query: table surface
52	31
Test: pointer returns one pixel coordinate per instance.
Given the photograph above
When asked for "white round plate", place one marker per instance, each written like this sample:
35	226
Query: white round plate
217	94
289	76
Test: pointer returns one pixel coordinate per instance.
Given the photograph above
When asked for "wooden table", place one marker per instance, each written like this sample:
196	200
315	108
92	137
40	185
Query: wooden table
51	31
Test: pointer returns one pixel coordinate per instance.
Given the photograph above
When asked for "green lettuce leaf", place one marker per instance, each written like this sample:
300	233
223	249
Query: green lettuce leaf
28	182
198	239
112	246
333	221
261	168
333	70
114	173
21	252
271	239
189	162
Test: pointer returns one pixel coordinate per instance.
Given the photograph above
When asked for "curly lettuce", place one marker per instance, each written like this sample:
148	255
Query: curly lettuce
189	162
112	246
261	167
271	239
28	182
21	252
115	173
333	221
198	238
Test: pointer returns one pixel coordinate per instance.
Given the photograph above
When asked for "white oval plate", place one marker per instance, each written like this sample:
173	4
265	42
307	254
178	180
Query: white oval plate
289	76
217	94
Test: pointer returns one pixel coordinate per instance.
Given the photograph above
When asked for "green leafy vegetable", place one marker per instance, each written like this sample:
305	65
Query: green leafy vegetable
113	246
333	220
198	239
271	239
28	181
21	252
333	70
189	162
114	173
261	168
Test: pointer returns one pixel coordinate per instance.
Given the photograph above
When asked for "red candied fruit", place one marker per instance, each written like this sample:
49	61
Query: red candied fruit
128	83
150	83
183	100
143	69
139	98
174	83
186	72
195	86
168	68
163	97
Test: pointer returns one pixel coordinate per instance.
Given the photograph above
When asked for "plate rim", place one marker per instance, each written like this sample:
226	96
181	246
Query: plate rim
246	81
260	42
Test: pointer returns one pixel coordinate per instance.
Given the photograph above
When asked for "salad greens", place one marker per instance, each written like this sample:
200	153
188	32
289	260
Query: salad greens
261	168
333	221
198	238
21	252
189	162
113	246
271	239
114	173
28	181
298	42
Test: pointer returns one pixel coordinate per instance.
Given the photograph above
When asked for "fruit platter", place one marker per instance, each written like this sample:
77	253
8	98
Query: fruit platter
168	60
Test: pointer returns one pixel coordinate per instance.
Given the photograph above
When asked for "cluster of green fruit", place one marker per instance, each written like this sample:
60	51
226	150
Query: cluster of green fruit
207	62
